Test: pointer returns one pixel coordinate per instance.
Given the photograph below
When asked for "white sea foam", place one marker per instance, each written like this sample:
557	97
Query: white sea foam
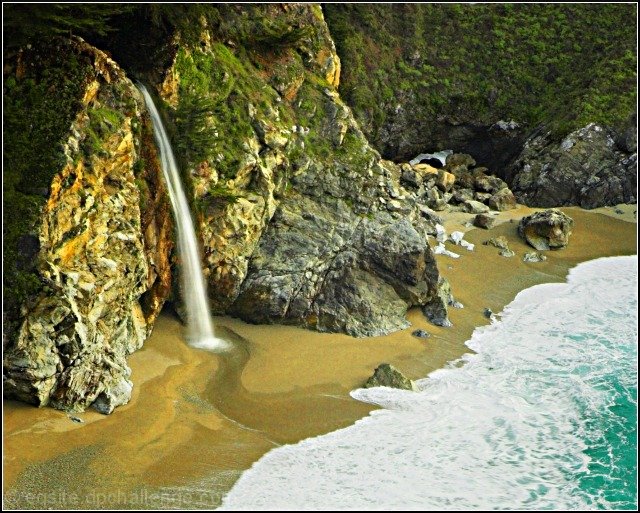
505	430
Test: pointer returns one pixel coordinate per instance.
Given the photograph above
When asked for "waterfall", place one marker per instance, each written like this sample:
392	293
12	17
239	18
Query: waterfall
199	322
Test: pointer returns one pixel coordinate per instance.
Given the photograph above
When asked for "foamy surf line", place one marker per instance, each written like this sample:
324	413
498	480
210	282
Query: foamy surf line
523	424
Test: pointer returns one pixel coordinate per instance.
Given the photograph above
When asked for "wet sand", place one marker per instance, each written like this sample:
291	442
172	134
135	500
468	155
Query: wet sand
197	420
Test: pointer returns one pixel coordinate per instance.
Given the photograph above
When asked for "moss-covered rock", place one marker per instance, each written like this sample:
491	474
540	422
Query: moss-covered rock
424	77
43	87
387	375
301	221
94	251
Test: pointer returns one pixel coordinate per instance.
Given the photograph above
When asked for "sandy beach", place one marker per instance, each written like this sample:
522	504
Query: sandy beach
197	420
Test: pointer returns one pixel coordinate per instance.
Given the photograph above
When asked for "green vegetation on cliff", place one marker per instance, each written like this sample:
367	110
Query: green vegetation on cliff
40	102
244	83
560	64
212	118
27	22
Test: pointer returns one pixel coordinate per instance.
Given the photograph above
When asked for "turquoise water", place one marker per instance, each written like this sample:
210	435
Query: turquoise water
610	480
543	416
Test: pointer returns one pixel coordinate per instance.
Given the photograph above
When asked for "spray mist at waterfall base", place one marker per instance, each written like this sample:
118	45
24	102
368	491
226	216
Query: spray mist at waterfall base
210	343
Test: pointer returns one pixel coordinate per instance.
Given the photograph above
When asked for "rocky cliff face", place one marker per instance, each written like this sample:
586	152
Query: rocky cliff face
302	222
428	77
587	168
103	239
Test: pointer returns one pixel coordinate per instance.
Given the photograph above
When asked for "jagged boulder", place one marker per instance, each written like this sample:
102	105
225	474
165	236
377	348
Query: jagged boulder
587	168
325	268
497	242
475	207
445	180
435	199
489	183
104	238
425	169
502	244
464	178
502	200
482	197
410	177
387	375
436	310
461	195
549	229
459	164
485	221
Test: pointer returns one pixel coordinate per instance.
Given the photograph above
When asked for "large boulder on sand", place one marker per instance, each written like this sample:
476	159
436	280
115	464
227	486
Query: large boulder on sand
387	375
475	207
502	200
549	229
484	221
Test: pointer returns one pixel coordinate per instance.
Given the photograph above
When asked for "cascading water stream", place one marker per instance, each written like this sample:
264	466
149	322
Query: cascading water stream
199	322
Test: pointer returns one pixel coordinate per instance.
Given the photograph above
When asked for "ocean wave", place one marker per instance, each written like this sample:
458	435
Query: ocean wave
543	416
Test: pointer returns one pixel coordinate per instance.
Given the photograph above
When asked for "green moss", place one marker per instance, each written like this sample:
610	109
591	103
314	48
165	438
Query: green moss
103	122
143	189
354	151
223	193
139	167
107	119
563	64
38	110
215	90
277	35
308	113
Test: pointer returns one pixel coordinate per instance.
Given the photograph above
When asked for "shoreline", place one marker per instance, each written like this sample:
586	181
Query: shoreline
196	415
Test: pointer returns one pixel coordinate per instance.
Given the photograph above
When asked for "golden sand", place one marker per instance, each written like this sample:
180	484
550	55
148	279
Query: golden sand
197	420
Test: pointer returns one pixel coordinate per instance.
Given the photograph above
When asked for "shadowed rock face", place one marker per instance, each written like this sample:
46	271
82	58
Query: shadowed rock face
586	168
327	265
404	136
549	229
